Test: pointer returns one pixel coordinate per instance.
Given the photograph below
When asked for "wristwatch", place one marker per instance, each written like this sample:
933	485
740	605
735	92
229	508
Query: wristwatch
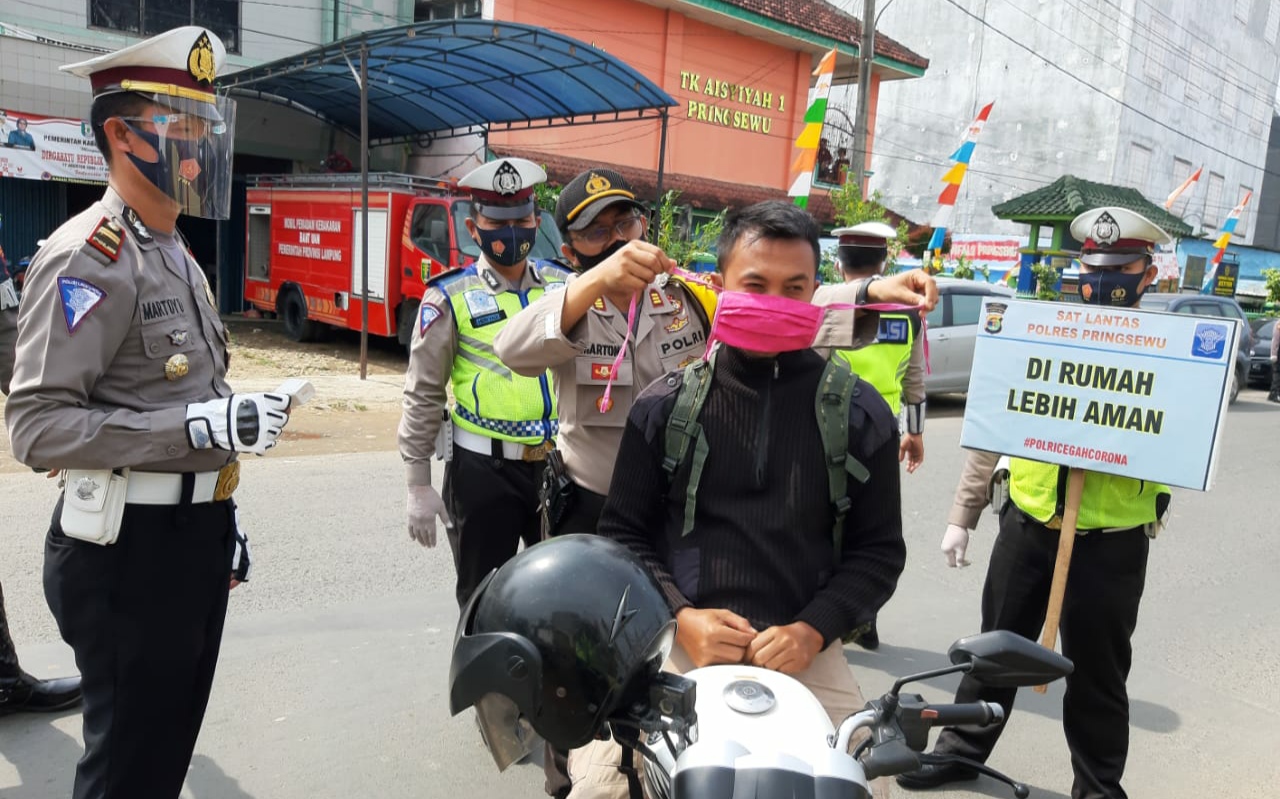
861	297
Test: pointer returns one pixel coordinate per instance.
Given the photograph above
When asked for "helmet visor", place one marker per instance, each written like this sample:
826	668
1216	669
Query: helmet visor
507	734
193	141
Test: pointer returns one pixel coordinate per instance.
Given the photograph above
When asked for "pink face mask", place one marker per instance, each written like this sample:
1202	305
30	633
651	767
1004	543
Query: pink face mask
765	322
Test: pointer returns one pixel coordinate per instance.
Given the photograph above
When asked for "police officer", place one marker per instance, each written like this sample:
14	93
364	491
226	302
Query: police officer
893	363
20	691
1117	517
502	424
578	334
119	385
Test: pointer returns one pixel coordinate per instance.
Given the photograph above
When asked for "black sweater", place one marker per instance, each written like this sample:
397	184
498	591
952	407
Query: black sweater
762	541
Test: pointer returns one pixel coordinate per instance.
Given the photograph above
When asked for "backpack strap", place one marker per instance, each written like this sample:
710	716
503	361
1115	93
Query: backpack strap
683	429
832	407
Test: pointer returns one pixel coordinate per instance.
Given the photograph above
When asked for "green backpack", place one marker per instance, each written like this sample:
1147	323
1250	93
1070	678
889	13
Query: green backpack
831	406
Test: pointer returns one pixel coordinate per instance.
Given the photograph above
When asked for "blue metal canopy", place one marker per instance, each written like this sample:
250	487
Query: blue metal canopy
453	78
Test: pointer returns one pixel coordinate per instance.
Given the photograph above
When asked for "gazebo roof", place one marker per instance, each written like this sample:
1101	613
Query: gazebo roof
1069	196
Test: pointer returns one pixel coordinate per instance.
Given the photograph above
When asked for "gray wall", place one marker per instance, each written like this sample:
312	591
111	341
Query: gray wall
1046	124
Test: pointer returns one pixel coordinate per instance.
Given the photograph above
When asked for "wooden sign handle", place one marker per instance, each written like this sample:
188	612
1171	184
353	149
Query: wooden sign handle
1066	542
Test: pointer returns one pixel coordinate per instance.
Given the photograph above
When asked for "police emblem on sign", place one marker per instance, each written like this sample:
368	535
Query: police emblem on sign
1105	231
995	317
507	179
1210	341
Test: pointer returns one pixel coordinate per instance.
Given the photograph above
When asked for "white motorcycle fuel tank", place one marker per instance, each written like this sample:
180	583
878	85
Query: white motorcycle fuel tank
759	734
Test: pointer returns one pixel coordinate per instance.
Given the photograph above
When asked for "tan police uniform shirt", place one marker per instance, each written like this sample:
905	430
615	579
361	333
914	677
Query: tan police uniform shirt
973	493
669	334
431	354
94	335
913	380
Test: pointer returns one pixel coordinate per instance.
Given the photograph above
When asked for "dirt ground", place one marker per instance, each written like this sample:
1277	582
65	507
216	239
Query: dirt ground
347	415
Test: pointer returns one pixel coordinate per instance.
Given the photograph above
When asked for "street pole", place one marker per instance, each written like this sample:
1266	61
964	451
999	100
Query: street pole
866	53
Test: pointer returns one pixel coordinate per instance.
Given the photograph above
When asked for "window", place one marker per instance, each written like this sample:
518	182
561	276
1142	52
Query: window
1181	171
1273	20
1213	210
149	17
1158	47
965	308
1242	10
1230	97
430	231
1197	72
1139	166
430	10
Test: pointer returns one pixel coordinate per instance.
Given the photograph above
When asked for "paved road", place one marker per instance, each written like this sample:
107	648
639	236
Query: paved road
334	667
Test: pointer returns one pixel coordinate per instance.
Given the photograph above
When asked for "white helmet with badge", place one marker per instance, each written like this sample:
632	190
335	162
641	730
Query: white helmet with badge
1112	238
503	189
863	247
190	128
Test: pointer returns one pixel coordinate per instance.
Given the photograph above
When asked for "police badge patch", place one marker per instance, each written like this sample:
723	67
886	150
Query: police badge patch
507	179
995	317
79	298
427	316
1105	230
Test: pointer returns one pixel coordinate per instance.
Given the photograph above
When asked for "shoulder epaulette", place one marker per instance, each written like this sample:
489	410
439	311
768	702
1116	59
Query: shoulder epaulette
107	238
450	275
551	264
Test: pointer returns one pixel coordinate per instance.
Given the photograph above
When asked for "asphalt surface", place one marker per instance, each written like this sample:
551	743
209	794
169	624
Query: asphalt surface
333	676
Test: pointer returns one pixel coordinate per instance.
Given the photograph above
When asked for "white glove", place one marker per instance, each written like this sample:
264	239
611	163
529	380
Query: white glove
425	506
954	542
239	423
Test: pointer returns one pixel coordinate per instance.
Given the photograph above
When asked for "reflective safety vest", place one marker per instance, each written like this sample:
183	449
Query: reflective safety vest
883	363
1109	502
490	399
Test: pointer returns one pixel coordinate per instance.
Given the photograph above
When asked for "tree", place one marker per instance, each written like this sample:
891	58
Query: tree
852	209
1272	276
682	244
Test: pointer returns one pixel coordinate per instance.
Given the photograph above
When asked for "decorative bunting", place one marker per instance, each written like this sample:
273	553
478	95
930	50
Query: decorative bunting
953	178
1186	184
807	143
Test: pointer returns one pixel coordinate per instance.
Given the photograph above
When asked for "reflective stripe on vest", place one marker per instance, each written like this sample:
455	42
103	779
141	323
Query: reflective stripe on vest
489	399
883	363
1109	502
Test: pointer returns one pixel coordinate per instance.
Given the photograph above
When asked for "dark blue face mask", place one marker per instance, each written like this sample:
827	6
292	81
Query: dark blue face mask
178	150
1115	289
507	245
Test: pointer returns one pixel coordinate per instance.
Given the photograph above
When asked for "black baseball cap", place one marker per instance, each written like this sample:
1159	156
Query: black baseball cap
590	193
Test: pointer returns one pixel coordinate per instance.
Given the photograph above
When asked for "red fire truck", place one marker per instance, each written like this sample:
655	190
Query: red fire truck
303	248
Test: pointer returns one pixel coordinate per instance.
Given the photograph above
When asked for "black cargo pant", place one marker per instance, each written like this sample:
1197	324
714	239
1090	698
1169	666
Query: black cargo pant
493	504
144	617
1099	615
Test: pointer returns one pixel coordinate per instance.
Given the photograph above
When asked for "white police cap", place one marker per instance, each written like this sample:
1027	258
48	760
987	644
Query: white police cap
866	234
503	189
182	62
1113	236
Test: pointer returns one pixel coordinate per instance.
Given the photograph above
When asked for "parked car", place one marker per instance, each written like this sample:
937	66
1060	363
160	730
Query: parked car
1260	360
953	330
1208	305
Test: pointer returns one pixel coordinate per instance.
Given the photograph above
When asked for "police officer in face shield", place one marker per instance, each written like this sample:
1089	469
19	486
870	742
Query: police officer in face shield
120	388
1117	518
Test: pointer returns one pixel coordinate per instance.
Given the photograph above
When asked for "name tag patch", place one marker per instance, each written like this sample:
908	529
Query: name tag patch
483	307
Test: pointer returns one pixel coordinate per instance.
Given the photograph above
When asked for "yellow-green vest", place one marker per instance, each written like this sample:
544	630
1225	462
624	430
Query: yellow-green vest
490	399
1109	502
883	363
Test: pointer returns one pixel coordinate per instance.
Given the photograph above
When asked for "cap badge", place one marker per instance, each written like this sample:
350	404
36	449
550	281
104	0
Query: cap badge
507	179
86	487
200	61
597	183
1106	231
178	337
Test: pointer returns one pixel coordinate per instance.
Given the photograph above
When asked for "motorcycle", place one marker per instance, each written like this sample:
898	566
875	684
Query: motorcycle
729	732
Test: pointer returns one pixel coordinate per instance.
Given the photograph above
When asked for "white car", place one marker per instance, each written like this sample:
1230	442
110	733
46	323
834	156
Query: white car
953	330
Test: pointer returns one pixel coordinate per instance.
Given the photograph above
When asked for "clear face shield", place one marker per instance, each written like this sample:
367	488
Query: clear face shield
507	734
192	144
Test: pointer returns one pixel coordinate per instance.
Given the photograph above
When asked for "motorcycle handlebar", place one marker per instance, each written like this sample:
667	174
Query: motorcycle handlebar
982	713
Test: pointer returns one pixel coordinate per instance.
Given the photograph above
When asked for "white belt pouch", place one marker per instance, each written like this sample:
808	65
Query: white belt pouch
93	504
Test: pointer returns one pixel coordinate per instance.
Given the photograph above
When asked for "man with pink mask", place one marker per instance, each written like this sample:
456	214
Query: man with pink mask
748	564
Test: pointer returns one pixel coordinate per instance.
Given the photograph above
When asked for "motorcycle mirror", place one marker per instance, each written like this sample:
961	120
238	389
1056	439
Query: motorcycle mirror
1003	659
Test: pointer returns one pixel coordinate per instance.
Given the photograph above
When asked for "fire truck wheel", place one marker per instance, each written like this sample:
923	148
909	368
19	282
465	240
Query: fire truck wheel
294	313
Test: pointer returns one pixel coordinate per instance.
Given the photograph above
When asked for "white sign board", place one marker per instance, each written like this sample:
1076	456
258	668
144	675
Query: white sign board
46	148
1134	393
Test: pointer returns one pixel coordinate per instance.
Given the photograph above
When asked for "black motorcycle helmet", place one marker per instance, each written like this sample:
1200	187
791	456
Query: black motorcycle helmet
561	638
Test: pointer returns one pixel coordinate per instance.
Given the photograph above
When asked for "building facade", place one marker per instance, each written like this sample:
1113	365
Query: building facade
1125	92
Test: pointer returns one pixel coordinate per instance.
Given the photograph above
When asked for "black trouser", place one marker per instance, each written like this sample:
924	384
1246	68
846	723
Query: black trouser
1099	614
8	655
1275	379
493	503
583	517
144	617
